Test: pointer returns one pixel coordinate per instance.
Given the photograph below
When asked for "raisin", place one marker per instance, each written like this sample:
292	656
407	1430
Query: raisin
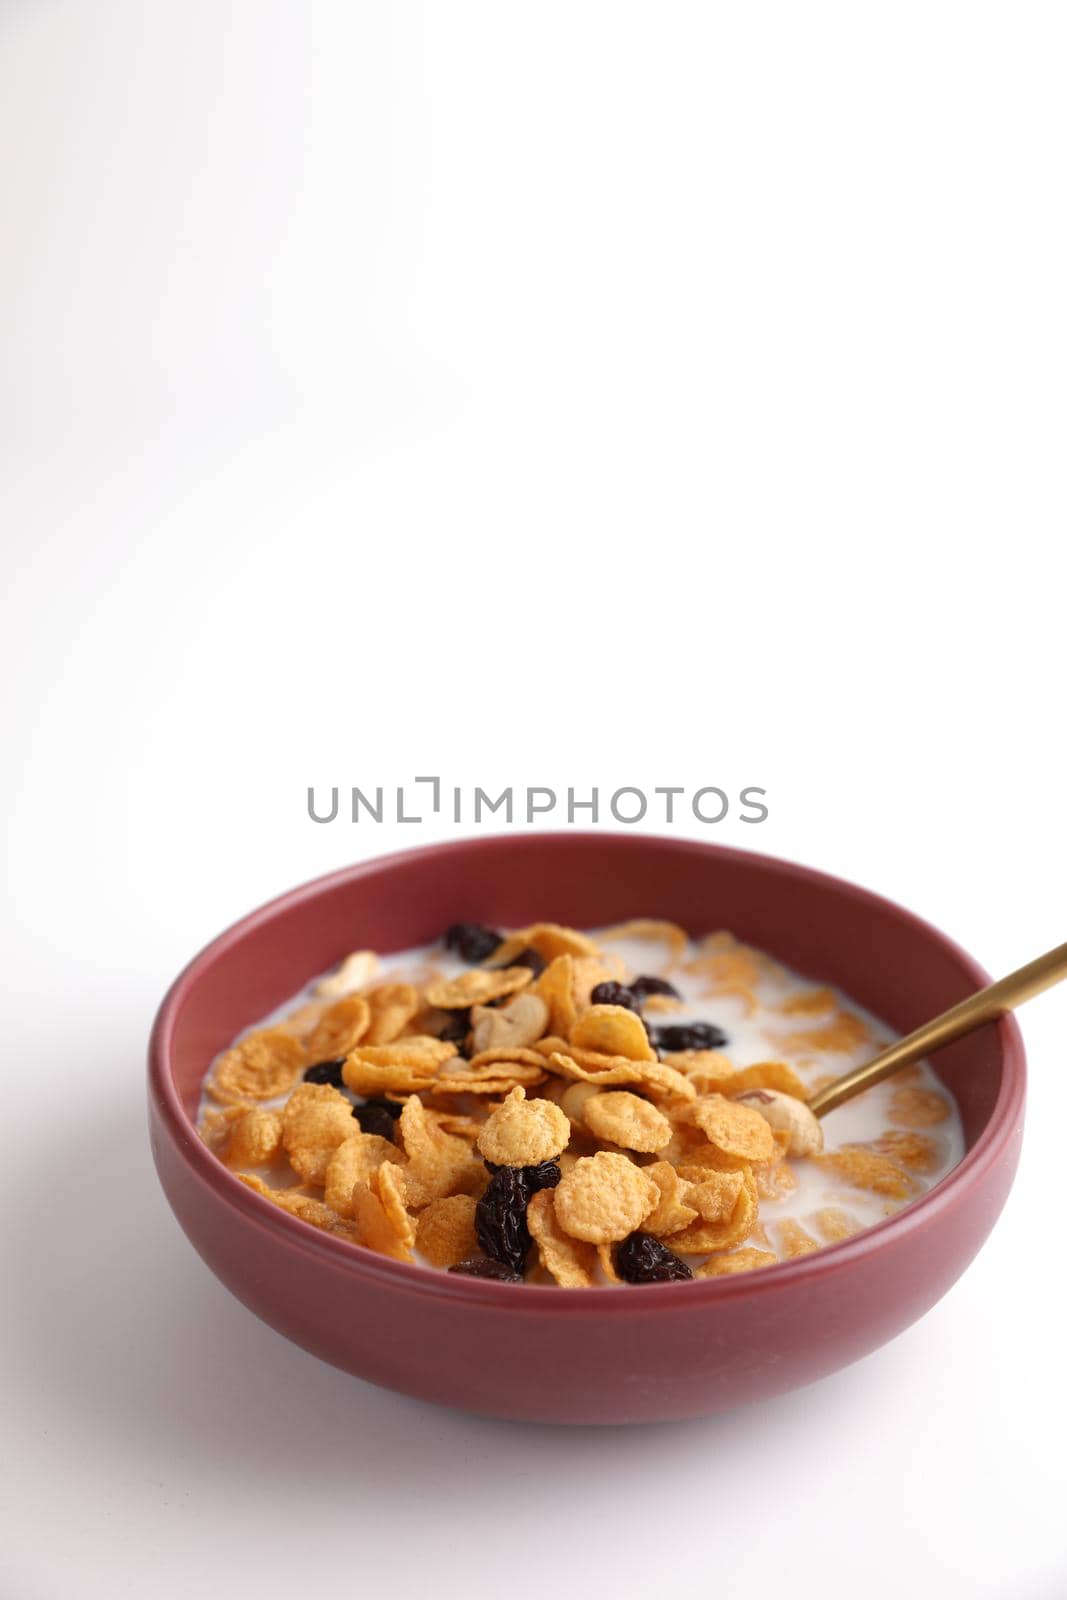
643	1259
456	1029
378	1116
480	1267
643	987
470	941
326	1072
500	1218
689	1036
529	958
544	1176
616	994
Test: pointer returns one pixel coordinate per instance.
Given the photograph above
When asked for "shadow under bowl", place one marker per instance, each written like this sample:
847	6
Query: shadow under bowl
610	1355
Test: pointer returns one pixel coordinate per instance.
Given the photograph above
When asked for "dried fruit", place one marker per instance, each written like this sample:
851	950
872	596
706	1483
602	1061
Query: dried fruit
378	1116
644	1259
326	1072
530	958
644	986
482	1267
689	1036
471	941
615	994
500	1219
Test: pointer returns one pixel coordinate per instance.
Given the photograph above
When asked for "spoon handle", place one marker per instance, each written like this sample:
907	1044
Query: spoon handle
985	1006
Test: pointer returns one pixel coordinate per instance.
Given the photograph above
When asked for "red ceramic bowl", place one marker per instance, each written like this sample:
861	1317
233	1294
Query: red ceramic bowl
571	1355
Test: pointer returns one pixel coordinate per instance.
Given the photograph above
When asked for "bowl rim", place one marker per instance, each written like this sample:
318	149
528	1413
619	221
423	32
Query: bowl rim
411	1277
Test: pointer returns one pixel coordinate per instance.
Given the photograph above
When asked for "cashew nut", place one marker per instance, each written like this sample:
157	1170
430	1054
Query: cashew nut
355	971
790	1115
509	1027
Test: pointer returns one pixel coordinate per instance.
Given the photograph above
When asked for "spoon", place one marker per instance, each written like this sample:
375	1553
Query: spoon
985	1006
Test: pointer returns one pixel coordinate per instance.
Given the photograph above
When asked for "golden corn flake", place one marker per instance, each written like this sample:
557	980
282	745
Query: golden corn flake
864	1169
740	1135
316	1119
793	1240
523	1133
606	1261
262	1066
374	1225
355	972
555	989
613	1031
654	1076
845	1033
570	1262
916	1151
352	1162
549	939
918	1108
303	1206
438	1163
445	1233
626	1120
476	987
217	1123
387	1182
643	929
809	1003
588	971
716	1232
256	1139
603	1198
392	1007
340	1029
672	1212
776	1181
511	1056
746	1260
834	1224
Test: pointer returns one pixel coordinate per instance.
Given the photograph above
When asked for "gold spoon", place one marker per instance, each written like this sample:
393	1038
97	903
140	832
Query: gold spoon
985	1006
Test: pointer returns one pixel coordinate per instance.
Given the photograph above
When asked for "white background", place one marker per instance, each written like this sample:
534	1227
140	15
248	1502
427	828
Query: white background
574	393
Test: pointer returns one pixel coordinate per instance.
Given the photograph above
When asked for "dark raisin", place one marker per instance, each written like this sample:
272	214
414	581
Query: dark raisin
616	994
689	1036
643	1259
480	1267
470	941
456	1029
378	1116
325	1072
500	1218
529	958
544	1176
643	987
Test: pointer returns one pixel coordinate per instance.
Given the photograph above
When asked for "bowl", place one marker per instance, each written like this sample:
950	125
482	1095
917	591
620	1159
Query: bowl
609	1355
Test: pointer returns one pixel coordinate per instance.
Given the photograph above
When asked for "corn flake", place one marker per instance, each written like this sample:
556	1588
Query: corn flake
603	1198
613	1031
476	987
445	1233
740	1135
523	1133
626	1120
261	1066
570	1262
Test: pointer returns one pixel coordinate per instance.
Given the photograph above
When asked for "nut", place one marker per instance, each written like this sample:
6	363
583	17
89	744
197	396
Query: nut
355	972
510	1027
789	1115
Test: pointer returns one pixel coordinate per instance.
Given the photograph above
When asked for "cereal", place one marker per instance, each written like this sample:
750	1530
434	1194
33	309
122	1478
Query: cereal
627	1120
523	1133
316	1119
476	988
355	972
613	1031
352	1162
740	1135
555	988
497	1107
918	1108
256	1139
392	1006
603	1198
444	1233
262	1066
340	1029
570	1262
746	1260
671	1213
